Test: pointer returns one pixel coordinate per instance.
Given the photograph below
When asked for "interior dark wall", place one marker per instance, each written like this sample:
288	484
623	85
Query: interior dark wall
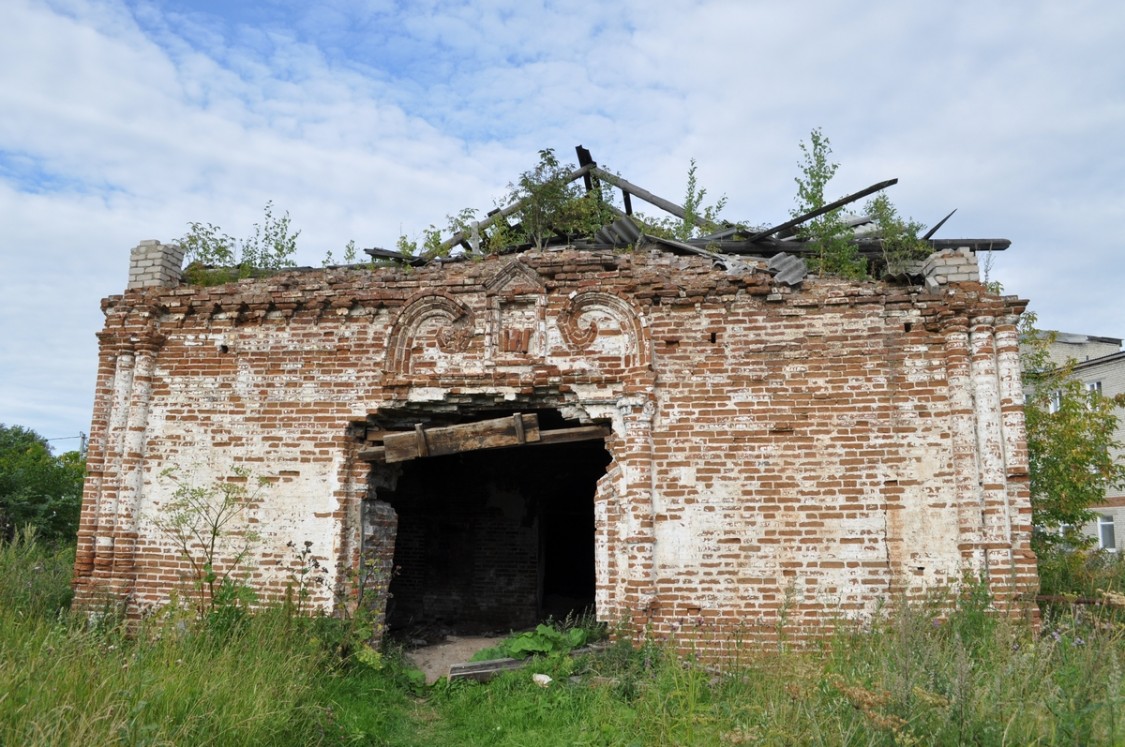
495	539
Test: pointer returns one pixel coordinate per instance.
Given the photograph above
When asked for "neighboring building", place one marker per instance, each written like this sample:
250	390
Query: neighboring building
1100	364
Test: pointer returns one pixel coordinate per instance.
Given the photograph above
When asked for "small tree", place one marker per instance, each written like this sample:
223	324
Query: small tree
837	253
553	205
698	216
1070	445
898	236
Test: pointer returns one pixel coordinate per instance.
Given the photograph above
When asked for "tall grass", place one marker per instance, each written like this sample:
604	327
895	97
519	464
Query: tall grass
926	675
63	681
970	677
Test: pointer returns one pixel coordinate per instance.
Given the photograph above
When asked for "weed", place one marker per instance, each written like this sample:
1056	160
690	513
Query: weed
200	522
35	577
306	573
210	253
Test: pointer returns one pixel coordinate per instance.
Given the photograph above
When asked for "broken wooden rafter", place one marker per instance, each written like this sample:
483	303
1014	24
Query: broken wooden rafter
483	671
632	189
939	224
872	246
973	245
460	238
725	261
377	253
585	159
822	210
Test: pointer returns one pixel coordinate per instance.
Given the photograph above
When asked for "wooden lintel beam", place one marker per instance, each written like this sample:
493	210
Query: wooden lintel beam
545	438
452	439
572	435
373	454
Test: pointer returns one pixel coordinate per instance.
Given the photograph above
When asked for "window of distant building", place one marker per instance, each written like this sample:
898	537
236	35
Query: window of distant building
1107	537
1094	386
1056	401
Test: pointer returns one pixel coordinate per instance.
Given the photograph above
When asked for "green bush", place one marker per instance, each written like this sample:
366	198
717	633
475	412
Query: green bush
35	577
37	488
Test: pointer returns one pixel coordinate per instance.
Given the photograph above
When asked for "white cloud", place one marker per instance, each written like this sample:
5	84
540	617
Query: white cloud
125	121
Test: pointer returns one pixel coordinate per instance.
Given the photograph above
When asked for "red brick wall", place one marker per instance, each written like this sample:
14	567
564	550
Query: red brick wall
791	456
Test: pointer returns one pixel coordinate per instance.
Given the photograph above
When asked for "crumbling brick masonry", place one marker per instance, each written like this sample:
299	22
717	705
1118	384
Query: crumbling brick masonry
688	448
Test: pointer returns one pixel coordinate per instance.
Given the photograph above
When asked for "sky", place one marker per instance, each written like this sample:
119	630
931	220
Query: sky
367	120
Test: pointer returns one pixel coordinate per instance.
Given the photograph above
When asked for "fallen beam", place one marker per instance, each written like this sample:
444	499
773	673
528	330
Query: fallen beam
822	210
483	671
632	189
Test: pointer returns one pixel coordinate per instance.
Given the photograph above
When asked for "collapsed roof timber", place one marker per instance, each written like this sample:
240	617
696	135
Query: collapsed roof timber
725	243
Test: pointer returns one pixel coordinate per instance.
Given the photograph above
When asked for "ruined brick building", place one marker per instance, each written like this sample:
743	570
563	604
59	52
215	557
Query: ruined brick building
684	446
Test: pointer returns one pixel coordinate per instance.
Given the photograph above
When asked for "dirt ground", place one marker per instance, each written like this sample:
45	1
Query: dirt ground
436	659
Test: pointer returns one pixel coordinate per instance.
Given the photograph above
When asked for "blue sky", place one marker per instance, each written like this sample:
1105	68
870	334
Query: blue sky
125	120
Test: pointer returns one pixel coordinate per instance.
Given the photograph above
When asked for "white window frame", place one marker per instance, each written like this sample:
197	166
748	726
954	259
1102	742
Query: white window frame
1106	525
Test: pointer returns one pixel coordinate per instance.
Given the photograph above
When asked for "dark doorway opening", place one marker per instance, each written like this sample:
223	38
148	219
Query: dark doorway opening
495	539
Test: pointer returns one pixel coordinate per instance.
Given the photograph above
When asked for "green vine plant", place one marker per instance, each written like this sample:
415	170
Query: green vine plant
206	524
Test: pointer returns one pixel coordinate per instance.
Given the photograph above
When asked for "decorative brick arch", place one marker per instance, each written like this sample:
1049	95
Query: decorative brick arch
454	335
591	315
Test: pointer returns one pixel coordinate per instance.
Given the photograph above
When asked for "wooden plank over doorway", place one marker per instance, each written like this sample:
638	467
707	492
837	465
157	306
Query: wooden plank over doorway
401	446
486	434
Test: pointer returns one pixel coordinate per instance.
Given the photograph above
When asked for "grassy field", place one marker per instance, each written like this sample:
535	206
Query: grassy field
276	680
